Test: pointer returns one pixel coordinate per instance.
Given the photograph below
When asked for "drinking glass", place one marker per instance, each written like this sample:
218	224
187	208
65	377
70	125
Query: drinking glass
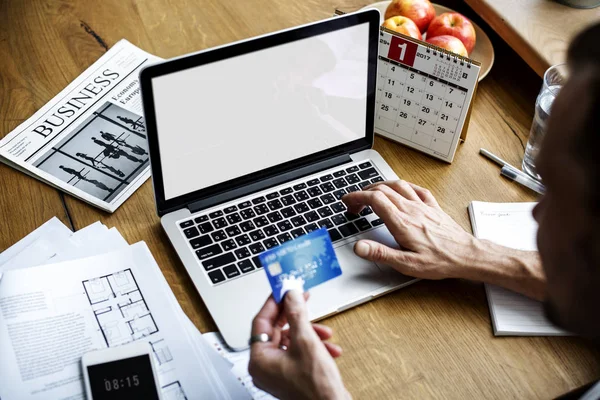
554	79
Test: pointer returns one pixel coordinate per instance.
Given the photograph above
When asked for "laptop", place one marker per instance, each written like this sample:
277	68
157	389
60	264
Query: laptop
253	144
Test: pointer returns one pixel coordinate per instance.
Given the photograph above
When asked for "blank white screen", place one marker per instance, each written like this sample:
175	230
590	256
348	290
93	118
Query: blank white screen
229	118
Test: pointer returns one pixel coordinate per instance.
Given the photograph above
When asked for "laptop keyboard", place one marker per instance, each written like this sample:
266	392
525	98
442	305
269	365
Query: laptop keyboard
227	242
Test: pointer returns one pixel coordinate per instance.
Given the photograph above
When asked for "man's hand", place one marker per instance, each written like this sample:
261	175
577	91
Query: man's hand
298	362
434	246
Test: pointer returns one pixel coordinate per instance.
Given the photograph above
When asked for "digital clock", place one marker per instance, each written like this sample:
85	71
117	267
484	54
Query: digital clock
124	372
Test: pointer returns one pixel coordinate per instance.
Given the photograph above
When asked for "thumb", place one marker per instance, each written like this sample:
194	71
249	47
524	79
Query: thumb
374	251
296	313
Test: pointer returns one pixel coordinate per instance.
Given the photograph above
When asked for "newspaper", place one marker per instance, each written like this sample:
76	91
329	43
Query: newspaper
89	140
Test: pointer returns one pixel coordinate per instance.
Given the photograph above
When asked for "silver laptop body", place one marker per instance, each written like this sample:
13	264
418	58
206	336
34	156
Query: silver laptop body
253	144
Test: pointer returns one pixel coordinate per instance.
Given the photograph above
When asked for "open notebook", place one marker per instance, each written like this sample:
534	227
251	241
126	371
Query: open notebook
511	225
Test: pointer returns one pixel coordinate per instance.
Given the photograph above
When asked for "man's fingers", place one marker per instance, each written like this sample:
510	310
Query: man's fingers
334	350
404	189
324	332
282	320
425	195
297	314
381	205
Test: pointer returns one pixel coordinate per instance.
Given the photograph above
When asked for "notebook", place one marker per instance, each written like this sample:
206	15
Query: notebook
511	225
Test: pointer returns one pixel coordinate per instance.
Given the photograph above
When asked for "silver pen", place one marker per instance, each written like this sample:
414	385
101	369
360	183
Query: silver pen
514	174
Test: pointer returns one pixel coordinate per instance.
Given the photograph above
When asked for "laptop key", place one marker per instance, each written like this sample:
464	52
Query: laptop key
288	212
231	271
200	219
327	187
247	214
327	199
315	203
230	209
275	204
285	191
377	179
274	216
186	224
339	219
340	183
288	200
216	276
377	222
352	169
257	235
338	194
362	224
245	266
314	191
219	223
261	209
261	221
245	204
311	216
200	242
284	237
301	196
352	188
215	214
273	195
311	227
339	173
325	223
366	211
270	243
326	178
206	227
334	234
234	218
256	248
242	253
352	179
301	208
338	207
284	225
243	240
218	261
364	165
325	212
228	244
256	262
258	200
313	182
300	186
368	173
271	230
218	236
364	184
348	229
296	233
247	226
350	216
209	251
191	232
298	221
232	231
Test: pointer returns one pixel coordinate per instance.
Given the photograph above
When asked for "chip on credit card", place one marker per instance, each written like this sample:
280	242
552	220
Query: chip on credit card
309	258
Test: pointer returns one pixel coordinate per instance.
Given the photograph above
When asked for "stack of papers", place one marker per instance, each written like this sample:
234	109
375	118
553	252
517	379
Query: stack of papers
63	294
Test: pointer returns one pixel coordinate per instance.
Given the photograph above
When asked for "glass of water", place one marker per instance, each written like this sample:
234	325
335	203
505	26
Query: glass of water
554	79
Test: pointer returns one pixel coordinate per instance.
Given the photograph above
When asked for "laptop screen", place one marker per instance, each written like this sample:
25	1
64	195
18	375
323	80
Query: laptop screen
237	116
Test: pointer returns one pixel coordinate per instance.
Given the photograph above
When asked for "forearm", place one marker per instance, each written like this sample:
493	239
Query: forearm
516	270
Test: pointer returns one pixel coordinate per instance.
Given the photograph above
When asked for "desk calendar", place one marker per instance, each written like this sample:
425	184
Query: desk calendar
424	94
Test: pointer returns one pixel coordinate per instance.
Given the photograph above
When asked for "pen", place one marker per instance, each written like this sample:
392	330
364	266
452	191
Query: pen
514	174
493	157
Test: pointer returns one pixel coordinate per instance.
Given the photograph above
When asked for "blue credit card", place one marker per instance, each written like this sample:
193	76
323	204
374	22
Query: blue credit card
309	258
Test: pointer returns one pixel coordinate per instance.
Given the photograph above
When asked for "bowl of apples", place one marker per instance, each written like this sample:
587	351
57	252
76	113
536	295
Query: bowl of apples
440	26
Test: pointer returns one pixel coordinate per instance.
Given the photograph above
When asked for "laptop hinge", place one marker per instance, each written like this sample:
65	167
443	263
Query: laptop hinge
267	183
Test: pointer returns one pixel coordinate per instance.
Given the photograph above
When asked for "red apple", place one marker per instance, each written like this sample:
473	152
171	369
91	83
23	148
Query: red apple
448	42
453	24
420	11
403	25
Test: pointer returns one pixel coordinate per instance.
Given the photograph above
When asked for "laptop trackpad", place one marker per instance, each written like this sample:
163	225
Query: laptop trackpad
359	277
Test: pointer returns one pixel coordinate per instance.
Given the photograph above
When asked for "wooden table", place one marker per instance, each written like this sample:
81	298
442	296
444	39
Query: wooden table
433	339
539	30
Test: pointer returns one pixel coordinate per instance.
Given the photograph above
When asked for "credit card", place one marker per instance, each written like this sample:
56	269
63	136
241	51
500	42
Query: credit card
309	258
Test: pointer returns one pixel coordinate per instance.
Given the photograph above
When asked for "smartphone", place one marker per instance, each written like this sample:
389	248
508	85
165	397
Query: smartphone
122	372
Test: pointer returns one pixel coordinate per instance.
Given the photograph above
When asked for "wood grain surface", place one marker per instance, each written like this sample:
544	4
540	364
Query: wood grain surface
431	340
538	30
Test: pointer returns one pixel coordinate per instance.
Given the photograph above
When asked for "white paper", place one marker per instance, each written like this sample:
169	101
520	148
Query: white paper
511	225
90	139
47	322
240	360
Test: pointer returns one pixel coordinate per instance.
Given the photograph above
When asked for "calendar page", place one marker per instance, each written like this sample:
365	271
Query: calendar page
423	95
